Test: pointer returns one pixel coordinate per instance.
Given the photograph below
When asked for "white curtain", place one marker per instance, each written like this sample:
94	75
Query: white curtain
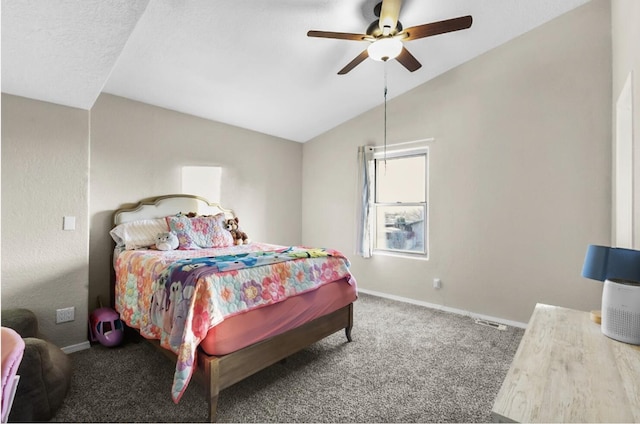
364	243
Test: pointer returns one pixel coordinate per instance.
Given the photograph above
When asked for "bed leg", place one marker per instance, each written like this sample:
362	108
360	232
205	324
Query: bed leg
347	330
214	388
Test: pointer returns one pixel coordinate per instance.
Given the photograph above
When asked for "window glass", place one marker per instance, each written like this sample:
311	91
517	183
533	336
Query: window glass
204	181
401	179
400	227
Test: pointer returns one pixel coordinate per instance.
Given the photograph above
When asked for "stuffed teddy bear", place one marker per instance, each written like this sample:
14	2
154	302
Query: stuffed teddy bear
167	241
239	236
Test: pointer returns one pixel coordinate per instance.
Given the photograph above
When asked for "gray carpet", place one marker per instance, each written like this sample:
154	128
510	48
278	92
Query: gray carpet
406	363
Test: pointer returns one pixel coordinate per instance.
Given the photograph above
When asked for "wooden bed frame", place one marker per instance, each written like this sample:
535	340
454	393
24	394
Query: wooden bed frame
220	372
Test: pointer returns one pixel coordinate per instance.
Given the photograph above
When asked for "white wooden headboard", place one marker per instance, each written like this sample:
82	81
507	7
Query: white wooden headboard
159	207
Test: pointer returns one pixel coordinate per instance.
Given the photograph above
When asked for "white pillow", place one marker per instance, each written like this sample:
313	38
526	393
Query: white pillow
137	234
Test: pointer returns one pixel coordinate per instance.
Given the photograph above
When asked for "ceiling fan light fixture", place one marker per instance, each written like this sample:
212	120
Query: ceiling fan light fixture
384	49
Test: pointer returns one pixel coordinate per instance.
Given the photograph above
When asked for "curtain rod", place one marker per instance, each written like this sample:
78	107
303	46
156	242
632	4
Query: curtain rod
424	140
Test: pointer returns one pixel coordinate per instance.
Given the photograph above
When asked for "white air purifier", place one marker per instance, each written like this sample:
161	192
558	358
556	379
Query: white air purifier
621	311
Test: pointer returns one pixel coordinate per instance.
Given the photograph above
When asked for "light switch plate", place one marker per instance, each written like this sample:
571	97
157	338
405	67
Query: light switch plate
69	223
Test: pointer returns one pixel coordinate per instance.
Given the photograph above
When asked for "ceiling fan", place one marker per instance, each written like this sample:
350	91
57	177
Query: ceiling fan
386	36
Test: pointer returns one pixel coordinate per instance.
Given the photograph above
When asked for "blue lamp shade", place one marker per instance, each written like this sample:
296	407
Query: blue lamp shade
605	263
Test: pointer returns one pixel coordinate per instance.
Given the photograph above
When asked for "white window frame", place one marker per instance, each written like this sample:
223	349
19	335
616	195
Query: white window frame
394	154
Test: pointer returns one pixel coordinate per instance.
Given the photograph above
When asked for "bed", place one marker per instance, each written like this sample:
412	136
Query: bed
222	311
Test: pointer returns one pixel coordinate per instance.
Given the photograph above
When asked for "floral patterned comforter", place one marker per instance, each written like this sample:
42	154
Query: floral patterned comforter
177	296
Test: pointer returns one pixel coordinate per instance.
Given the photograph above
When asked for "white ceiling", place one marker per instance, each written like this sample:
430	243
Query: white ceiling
247	63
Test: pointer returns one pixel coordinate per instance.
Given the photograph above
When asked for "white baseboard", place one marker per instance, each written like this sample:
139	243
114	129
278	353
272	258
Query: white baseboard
76	347
444	308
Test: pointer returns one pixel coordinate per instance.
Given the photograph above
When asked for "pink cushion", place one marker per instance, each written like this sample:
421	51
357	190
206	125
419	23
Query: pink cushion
12	350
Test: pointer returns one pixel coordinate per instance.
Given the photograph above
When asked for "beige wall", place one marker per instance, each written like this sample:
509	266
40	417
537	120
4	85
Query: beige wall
137	151
519	174
625	15
45	177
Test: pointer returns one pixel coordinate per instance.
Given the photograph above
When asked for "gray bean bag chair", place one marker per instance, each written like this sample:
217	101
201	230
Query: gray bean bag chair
45	371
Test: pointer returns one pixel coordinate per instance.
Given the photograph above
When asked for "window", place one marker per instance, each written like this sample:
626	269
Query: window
204	181
400	202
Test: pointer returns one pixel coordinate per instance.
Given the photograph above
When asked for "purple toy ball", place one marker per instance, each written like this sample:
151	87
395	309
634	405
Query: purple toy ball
106	327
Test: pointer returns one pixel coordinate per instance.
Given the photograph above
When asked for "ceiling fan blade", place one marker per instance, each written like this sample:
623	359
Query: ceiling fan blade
338	35
389	14
435	28
408	60
355	62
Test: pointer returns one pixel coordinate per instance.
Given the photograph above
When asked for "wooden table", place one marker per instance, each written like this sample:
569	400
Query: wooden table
566	370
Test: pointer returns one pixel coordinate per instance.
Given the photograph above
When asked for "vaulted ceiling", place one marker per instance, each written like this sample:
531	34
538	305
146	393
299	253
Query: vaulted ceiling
247	63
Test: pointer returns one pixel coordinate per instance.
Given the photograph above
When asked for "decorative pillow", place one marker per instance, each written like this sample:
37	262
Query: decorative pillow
200	231
137	234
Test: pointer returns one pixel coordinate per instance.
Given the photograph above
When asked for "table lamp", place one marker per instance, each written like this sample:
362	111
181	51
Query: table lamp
620	270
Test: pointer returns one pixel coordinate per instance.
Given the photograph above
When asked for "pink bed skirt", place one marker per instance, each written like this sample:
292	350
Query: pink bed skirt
259	324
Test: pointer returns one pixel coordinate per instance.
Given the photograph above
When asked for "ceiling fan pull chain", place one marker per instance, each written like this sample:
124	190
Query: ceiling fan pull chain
385	116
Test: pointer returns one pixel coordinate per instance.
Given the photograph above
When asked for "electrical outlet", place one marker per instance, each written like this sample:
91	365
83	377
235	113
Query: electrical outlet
437	283
65	314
